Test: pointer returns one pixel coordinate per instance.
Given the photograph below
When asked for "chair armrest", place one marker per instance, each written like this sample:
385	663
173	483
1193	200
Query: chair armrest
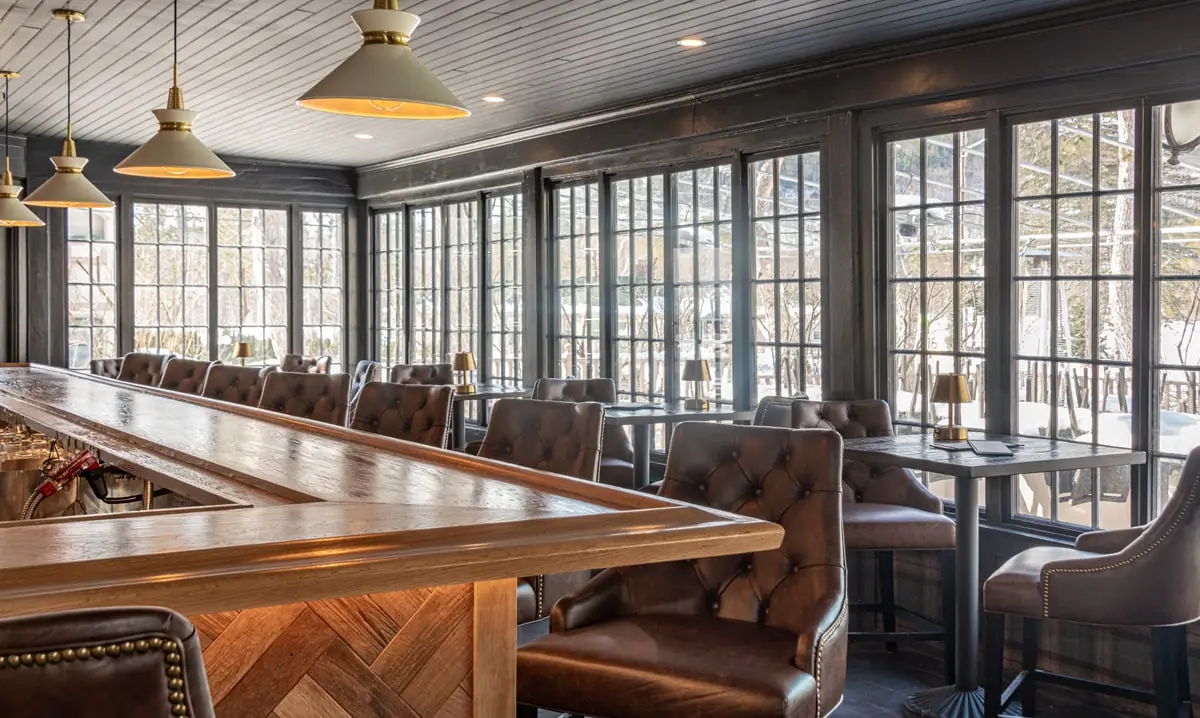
665	588
1107	541
822	644
900	487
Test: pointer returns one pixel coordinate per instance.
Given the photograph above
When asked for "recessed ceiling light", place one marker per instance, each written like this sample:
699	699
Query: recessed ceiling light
363	136
692	42
494	99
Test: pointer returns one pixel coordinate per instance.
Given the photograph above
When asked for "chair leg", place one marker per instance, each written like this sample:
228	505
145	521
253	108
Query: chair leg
993	663
885	565
1030	631
949	606
1169	645
524	711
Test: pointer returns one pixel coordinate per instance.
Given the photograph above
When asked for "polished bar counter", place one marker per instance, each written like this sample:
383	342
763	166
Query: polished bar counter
328	571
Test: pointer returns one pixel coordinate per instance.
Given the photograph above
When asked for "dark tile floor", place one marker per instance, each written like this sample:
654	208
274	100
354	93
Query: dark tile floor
877	683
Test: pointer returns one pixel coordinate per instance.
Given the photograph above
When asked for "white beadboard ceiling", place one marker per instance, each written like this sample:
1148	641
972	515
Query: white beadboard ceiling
244	62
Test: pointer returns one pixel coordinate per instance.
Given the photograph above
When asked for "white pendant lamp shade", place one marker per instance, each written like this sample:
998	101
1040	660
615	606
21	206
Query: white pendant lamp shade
68	187
383	78
12	212
174	152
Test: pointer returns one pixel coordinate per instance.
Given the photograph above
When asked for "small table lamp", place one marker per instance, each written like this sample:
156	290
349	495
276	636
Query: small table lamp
241	350
696	371
464	364
951	389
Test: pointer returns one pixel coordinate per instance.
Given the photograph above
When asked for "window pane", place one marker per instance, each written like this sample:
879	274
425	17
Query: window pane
389	286
252	283
323	238
91	286
505	249
576	242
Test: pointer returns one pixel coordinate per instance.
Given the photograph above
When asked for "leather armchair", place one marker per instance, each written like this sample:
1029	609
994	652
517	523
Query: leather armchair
236	384
108	368
185	375
1140	577
305	365
364	372
887	510
419	414
753	636
141	662
320	397
142	368
616	458
422	374
559	437
775	411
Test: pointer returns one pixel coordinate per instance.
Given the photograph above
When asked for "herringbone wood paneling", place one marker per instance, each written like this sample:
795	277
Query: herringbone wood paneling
407	654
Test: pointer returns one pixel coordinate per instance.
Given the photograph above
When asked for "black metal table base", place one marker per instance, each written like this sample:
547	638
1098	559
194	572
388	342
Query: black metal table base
950	702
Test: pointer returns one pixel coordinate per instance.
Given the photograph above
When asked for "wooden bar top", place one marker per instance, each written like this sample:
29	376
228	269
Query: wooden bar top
318	511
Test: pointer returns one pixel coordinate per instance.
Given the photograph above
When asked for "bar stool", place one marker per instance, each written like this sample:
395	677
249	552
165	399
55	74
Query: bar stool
102	663
420	414
142	368
616	458
320	397
185	375
364	372
1141	577
108	368
422	374
236	384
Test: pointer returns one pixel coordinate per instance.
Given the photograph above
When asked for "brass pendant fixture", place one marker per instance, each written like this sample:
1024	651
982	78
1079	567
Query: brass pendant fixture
68	187
383	78
12	212
174	152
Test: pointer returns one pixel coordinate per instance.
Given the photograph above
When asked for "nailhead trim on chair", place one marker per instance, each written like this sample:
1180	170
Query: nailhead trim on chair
177	697
821	649
1046	573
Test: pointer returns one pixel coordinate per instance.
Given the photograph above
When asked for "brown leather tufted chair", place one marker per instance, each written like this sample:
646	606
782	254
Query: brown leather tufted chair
142	662
775	411
559	437
413	413
108	368
1142	577
616	459
305	365
753	636
185	375
320	397
141	368
364	372
887	510
236	384
422	374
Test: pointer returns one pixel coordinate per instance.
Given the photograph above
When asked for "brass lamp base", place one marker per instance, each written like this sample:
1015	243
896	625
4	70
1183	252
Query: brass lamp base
695	404
465	388
950	433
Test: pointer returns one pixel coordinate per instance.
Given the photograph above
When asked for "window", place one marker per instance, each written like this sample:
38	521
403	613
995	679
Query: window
252	279
576	243
640	252
505	250
462	268
1074	218
323	239
786	227
389	286
935	298
425	255
1176	420
91	286
703	273
170	279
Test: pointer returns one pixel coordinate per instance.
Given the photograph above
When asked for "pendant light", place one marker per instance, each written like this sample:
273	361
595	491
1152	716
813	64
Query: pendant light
174	152
383	78
68	187
12	212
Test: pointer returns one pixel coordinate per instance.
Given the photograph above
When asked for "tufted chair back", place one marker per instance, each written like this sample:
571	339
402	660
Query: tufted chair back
305	365
144	662
236	384
108	368
413	413
185	375
560	437
144	369
616	442
428	374
865	482
364	372
774	411
320	397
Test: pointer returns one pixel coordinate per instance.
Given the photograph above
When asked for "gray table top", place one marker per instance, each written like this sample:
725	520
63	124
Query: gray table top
915	451
484	392
671	413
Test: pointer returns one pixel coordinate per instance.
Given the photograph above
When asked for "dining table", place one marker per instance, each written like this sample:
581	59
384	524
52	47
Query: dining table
1030	455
